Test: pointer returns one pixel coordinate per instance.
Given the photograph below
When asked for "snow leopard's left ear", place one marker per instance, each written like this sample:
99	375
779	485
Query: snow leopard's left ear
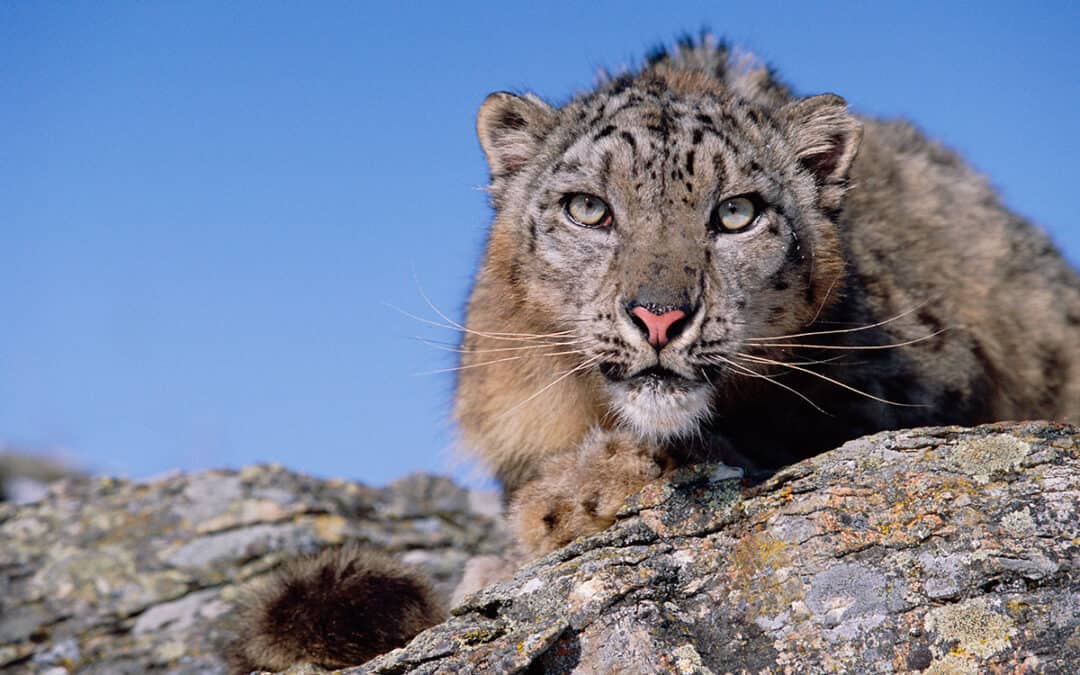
511	129
825	138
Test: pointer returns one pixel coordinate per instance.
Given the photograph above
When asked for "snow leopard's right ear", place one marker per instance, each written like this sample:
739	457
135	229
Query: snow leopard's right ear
511	129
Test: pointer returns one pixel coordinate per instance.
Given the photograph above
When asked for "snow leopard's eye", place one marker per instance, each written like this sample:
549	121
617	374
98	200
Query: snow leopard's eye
587	210
733	214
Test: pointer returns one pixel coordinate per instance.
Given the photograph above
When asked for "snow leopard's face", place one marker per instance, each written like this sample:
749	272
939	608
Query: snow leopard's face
666	231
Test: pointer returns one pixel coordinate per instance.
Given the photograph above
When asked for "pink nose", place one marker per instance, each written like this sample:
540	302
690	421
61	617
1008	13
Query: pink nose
658	324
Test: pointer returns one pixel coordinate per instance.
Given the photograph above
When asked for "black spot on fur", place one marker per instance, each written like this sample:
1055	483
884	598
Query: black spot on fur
690	163
511	120
591	504
621	83
696	137
550	519
606	131
629	138
656	55
781	285
532	235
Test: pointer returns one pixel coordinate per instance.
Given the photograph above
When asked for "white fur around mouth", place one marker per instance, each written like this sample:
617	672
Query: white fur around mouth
659	409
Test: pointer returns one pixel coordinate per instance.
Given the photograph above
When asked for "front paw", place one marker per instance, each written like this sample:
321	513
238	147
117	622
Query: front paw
579	492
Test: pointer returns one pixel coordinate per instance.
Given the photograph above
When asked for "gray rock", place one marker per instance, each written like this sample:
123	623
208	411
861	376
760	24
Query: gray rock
107	576
904	551
938	550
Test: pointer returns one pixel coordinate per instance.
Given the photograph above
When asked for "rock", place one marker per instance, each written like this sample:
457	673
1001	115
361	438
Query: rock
942	550
108	576
24	477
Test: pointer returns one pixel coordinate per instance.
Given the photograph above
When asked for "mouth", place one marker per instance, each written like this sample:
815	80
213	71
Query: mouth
659	403
653	376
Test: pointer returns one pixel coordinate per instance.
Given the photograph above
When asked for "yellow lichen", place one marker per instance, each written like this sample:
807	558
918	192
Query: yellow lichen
973	627
983	457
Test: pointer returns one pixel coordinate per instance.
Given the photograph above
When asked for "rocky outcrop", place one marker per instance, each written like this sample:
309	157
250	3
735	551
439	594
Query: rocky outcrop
112	577
24	476
940	550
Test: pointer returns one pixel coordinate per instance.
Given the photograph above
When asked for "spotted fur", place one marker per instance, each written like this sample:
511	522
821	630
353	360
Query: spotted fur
913	295
882	285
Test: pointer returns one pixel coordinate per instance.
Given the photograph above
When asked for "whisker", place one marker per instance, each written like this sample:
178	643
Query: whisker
448	347
844	330
751	373
468	366
825	298
562	376
458	326
494	361
758	359
511	337
852	347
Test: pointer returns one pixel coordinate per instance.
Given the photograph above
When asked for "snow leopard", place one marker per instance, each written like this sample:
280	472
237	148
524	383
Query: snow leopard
691	262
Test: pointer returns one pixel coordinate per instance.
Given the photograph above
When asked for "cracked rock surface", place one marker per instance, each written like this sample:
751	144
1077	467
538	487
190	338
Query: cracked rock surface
942	550
109	576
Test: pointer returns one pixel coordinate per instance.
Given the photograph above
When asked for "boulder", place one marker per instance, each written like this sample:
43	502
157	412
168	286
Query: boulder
942	550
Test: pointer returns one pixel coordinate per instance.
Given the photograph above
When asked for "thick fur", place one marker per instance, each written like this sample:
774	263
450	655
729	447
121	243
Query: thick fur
882	285
338	608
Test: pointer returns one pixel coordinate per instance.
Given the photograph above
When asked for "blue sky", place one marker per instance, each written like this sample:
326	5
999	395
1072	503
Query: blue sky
205	208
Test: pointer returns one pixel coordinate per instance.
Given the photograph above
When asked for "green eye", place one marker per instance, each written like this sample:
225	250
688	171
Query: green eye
734	214
588	210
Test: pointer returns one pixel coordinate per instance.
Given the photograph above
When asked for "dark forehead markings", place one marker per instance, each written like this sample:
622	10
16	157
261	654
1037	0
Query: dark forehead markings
752	167
719	169
698	135
532	235
566	166
629	138
605	170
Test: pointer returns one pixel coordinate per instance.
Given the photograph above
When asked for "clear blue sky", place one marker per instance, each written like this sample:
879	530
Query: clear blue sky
204	206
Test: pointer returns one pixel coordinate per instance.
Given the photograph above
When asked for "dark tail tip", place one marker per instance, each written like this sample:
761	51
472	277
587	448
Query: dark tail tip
338	608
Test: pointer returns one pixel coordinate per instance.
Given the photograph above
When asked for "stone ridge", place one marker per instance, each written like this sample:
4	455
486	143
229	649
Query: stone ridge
112	576
942	550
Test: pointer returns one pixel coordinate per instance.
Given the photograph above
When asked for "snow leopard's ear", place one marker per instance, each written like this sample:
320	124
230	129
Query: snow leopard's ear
511	129
825	138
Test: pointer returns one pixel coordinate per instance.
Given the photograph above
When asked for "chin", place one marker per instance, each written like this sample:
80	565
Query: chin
662	409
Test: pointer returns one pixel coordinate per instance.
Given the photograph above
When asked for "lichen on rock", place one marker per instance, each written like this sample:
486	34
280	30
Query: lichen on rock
943	550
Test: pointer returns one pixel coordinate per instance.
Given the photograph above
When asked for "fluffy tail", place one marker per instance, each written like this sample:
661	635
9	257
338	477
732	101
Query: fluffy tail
335	609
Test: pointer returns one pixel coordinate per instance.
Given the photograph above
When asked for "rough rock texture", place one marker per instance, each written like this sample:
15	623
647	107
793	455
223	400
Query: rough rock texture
24	476
107	576
937	550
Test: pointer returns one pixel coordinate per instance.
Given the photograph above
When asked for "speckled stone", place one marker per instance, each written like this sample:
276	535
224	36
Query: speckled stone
942	550
109	576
